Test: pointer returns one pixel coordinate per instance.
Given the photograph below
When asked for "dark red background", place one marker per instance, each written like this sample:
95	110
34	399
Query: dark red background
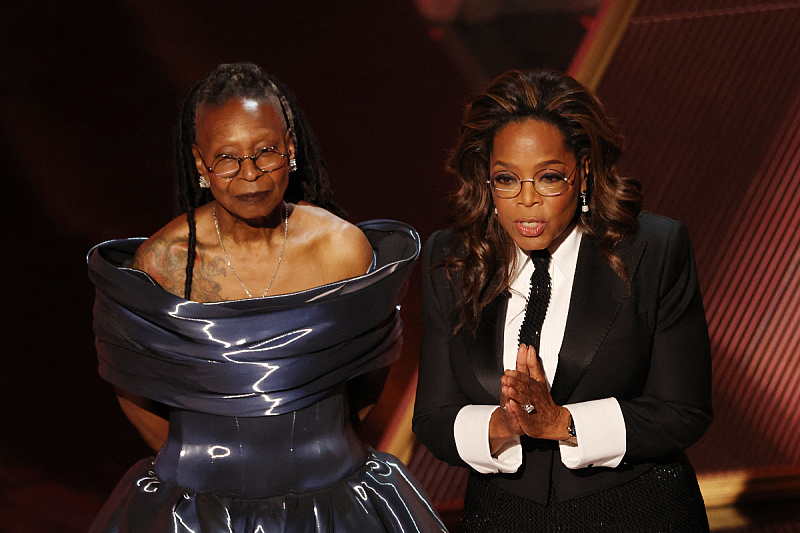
706	93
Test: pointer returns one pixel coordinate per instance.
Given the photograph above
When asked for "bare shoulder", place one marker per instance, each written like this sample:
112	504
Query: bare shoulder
163	256
349	247
341	246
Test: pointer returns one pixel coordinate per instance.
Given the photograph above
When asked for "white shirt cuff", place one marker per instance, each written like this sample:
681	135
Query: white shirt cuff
471	430
601	435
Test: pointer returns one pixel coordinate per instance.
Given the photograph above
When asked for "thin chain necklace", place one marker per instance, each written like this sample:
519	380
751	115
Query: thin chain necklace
280	258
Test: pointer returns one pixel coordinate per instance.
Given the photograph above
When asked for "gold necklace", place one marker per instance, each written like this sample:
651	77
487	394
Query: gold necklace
280	258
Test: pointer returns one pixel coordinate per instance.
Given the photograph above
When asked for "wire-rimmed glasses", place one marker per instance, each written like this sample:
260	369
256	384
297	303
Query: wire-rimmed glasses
547	182
227	167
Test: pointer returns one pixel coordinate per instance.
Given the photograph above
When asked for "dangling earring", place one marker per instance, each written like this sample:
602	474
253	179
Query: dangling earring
495	211
203	182
584	202
292	164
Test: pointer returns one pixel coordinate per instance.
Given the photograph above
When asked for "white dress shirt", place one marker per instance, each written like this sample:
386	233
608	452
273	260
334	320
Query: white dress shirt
599	423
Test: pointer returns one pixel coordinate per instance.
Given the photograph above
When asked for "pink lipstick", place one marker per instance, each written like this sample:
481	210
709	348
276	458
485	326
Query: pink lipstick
529	227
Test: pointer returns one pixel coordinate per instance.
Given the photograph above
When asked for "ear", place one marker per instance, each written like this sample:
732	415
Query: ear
587	164
198	161
289	141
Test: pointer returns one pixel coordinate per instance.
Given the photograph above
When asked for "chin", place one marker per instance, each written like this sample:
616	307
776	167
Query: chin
253	213
258	220
531	243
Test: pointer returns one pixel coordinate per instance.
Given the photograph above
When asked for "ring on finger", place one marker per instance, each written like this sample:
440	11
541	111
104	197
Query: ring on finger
529	408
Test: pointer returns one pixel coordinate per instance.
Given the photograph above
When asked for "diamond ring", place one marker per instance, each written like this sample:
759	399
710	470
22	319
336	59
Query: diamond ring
529	408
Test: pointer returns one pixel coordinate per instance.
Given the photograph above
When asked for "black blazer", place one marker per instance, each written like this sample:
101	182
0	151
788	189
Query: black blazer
648	347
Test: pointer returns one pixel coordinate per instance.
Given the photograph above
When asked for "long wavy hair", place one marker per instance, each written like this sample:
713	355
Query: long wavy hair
245	80
484	257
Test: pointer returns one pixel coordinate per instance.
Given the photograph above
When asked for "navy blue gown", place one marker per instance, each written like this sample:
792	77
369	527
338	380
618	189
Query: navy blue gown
260	438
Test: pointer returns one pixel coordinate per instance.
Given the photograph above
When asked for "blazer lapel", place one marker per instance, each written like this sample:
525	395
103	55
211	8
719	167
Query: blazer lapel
485	350
597	294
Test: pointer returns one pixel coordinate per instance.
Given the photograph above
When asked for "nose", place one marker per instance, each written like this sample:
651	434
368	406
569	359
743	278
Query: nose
250	172
528	195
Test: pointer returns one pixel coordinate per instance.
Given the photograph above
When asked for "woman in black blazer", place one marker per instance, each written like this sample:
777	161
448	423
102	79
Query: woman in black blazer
586	433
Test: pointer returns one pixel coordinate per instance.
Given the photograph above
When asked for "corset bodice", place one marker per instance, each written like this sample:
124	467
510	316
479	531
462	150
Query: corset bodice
249	457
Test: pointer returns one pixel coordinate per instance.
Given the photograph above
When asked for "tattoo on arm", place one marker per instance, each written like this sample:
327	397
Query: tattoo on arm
165	261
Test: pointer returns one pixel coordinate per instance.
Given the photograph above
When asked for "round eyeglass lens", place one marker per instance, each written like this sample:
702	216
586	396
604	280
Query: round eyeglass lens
550	182
506	185
268	160
225	167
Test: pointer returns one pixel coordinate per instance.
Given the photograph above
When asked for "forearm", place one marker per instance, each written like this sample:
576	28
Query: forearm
655	428
147	416
434	429
363	393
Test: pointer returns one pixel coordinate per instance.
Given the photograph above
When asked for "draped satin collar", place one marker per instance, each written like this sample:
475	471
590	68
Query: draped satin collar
253	357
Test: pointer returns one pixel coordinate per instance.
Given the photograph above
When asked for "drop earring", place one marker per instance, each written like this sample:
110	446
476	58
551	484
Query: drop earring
584	202
292	164
203	182
495	211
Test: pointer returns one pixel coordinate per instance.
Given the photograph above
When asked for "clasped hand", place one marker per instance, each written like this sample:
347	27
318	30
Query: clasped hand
527	407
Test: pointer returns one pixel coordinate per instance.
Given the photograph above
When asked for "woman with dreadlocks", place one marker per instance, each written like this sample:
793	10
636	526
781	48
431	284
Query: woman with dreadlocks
233	335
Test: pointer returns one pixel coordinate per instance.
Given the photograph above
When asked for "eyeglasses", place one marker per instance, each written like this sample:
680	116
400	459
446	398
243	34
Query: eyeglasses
227	167
547	182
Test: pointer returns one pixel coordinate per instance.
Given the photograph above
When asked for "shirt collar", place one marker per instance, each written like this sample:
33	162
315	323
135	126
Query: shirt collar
565	257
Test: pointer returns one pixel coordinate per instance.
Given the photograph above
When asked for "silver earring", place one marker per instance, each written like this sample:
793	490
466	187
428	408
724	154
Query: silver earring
292	164
203	182
584	202
495	211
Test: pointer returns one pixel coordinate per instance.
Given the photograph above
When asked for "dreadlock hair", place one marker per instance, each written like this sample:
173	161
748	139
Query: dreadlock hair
485	255
245	80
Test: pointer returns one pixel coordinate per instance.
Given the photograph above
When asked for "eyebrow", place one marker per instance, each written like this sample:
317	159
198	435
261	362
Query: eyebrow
543	163
266	145
271	147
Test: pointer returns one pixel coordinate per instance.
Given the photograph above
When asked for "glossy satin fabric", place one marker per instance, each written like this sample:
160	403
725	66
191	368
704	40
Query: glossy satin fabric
378	497
234	455
253	357
259	437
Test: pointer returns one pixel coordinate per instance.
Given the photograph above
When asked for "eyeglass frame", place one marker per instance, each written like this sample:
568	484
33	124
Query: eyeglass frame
252	158
567	178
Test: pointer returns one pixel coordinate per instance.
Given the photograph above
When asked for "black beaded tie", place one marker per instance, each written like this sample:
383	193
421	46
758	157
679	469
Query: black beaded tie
531	331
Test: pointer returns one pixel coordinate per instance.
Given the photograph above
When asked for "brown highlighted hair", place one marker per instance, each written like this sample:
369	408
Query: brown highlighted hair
485	256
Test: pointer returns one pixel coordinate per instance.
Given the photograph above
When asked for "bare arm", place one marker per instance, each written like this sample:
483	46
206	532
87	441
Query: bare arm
363	392
148	417
352	256
164	260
